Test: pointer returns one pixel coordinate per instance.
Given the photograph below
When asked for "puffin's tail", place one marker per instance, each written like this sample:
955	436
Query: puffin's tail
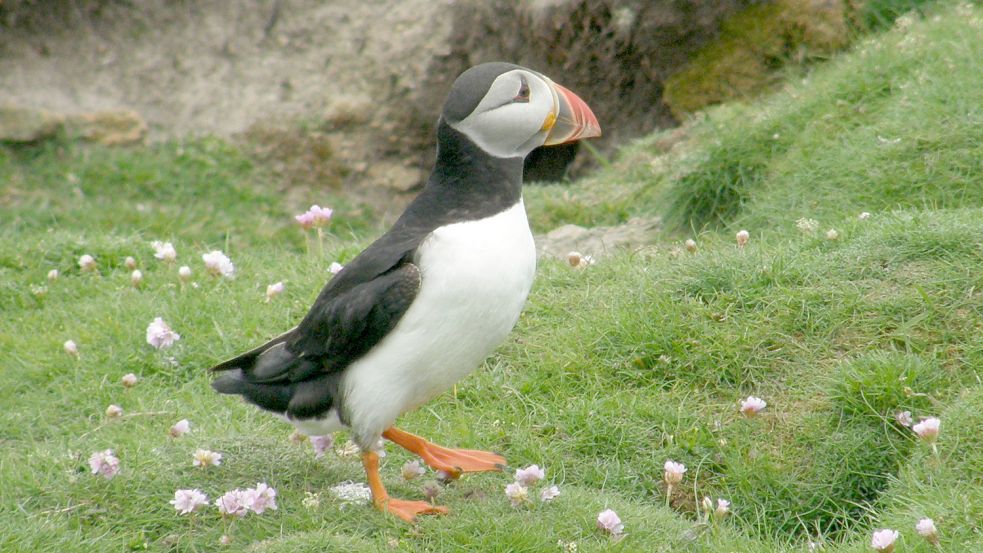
260	375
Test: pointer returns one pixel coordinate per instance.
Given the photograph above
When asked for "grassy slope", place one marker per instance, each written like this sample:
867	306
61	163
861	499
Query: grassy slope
611	371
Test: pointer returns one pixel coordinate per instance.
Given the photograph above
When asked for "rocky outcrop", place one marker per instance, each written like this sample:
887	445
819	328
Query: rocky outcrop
111	128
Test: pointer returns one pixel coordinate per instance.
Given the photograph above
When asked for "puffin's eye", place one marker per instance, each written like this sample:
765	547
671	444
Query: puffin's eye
523	95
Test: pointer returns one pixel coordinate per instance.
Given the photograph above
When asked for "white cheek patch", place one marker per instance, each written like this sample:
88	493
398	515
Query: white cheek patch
506	129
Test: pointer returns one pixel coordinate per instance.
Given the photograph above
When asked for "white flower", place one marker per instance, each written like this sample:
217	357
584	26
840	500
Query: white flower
707	504
274	290
863	216
903	418
883	540
180	428
87	263
218	264
164	251
136	277
160	335
412	469
53	275
673	472
187	501
114	411
549	494
204	458
130	263
351	492
311	500
832	234
530	475
129	380
752	406
517	493
335	267
71	348
928	429
690	245
926	529
807	226
609	521
184	273
742	238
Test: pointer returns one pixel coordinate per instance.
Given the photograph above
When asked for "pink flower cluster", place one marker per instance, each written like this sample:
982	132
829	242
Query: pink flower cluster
315	217
238	503
518	491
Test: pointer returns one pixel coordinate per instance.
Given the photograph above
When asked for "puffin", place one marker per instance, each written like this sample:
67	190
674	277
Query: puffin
422	306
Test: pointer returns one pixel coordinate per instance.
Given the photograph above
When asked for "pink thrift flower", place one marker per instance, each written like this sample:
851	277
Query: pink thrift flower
335	267
187	501
928	429
673	472
104	463
180	428
883	540
274	290
321	444
752	406
53	275
259	499
230	505
114	411
412	469
517	493
164	251
609	521
184	273
549	494
130	263
218	264
723	507
160	335
204	458
136	278
690	245
71	348
87	263
316	216
529	475
926	529
903	418
742	238
129	380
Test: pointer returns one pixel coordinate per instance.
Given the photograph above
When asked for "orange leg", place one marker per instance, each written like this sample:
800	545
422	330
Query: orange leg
406	510
451	461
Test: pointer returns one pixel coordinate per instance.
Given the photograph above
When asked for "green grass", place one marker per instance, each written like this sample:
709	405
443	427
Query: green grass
611	371
893	124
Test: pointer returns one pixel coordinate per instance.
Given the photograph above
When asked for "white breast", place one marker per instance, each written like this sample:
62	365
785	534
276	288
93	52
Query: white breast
475	277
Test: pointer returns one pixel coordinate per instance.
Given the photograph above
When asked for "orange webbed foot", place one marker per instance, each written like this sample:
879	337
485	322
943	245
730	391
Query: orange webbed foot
454	462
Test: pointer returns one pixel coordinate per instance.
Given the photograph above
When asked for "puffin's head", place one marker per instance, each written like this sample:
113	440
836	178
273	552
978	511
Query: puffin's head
508	110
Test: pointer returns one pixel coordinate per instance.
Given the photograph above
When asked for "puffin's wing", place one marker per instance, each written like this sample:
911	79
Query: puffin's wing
342	327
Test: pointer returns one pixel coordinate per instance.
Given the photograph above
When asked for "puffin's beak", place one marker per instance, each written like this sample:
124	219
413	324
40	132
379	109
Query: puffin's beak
571	120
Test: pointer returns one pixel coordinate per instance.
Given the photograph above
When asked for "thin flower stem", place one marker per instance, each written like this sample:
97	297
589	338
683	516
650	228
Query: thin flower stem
668	494
320	240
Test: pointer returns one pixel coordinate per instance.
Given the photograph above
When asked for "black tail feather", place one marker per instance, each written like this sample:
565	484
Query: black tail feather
246	360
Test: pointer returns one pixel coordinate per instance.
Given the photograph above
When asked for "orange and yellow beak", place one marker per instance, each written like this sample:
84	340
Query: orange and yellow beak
571	118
